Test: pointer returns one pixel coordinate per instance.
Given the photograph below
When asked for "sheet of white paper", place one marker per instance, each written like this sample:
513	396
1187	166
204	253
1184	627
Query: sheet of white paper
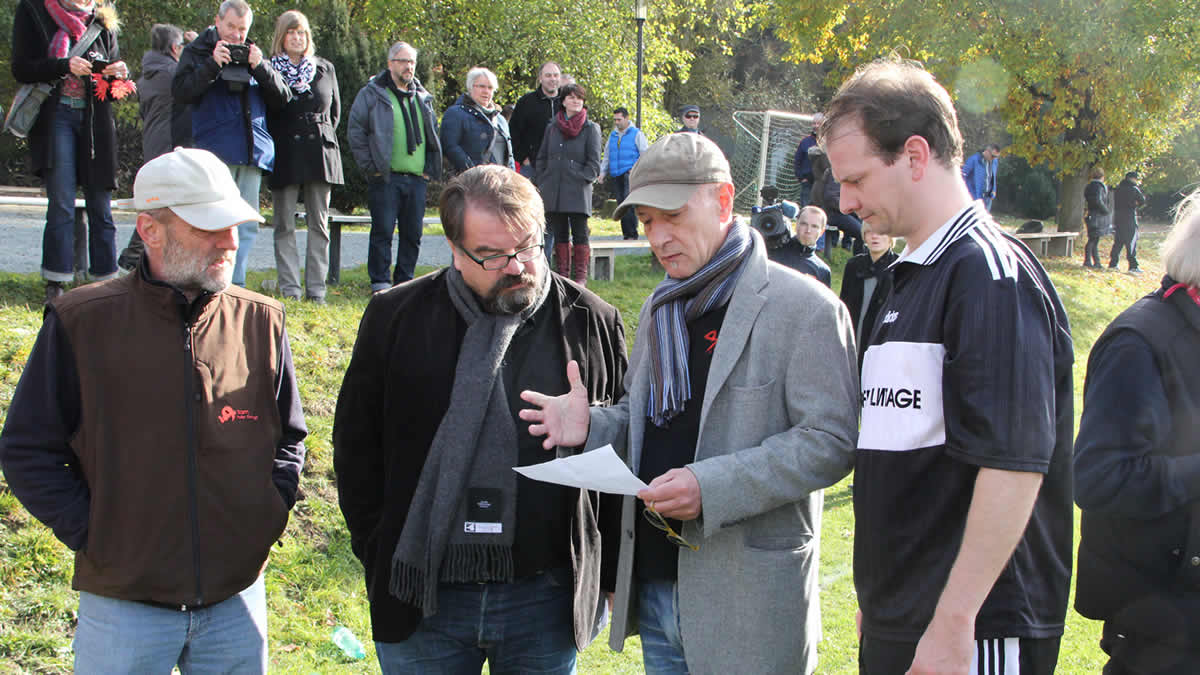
599	470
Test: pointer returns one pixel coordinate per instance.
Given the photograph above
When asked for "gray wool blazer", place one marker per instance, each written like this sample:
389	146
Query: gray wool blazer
779	422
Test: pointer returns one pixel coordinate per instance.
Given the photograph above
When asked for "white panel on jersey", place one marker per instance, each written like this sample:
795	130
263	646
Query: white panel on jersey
990	652
902	397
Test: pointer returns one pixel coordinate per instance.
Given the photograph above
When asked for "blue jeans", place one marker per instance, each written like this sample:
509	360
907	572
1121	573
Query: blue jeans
58	240
620	189
522	627
804	193
119	636
658	624
249	180
398	201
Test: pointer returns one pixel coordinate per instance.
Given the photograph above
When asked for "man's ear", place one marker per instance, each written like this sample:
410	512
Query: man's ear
917	154
151	231
725	200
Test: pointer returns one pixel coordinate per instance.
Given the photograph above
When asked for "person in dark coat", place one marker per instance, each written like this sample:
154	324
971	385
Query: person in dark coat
1095	197
530	116
568	163
1127	199
1137	472
156	107
866	283
73	143
473	130
307	156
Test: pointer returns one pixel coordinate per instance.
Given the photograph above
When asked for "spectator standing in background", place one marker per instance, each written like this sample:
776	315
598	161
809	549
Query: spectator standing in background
626	143
307	156
979	171
1127	199
473	130
394	138
803	164
866	282
229	102
567	165
1095	198
530	116
73	143
160	116
689	115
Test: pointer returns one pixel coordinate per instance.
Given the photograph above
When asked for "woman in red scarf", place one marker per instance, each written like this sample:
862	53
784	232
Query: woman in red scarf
567	165
74	141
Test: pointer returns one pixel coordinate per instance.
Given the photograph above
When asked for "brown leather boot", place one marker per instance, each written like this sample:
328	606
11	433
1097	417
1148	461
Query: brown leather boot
562	259
579	264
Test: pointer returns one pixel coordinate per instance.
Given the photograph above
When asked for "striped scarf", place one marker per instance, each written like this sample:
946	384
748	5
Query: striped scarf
296	75
678	301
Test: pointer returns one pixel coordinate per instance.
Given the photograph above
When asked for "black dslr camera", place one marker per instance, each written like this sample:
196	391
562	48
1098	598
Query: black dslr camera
774	221
236	73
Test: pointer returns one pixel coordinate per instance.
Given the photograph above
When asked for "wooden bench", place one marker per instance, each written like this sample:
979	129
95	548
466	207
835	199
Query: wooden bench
604	253
1045	244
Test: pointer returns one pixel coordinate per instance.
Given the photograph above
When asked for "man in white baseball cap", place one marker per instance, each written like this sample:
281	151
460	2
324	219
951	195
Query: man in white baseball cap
729	423
157	429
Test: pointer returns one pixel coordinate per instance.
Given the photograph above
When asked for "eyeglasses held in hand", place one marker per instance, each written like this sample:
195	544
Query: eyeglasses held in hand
493	263
656	519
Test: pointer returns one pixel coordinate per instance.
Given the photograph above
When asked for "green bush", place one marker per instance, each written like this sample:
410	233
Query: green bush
1025	191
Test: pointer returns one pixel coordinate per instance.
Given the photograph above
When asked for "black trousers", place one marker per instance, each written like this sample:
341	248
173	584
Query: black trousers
1035	656
569	227
1091	250
1124	237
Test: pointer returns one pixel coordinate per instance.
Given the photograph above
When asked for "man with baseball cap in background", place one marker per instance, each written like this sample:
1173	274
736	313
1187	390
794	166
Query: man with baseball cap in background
170	474
727	421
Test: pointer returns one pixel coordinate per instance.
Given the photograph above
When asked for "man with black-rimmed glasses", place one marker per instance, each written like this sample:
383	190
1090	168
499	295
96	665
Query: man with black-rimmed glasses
426	435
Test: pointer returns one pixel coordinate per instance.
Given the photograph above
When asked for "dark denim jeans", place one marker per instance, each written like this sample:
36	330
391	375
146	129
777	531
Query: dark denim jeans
522	627
658	625
58	240
398	201
620	189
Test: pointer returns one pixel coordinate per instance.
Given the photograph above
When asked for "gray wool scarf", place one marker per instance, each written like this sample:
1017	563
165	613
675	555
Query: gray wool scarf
475	446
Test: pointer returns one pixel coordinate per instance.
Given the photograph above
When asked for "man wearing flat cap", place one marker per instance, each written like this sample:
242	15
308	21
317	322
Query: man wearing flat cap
731	426
170	475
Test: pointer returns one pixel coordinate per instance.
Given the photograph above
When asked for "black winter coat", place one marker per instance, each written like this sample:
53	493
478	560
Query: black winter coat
567	168
1126	200
1095	197
397	389
162	120
858	270
305	132
96	156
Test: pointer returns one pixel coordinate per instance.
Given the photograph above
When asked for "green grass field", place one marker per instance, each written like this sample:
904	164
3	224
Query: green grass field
314	582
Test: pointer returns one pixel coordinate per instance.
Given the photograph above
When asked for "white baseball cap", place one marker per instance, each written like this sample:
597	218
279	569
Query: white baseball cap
197	186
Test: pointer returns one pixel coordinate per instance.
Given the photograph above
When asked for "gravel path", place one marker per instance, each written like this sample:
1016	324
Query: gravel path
21	234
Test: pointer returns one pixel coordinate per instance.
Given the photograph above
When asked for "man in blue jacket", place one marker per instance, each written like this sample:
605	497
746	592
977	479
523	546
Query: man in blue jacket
625	145
228	83
979	171
394	138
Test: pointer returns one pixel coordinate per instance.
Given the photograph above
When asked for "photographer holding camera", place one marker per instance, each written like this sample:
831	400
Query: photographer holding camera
773	222
229	85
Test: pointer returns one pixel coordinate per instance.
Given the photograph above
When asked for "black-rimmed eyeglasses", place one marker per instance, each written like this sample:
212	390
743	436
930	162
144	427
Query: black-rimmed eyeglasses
493	263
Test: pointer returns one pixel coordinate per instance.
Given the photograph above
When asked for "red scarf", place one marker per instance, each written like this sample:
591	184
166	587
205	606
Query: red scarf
571	127
71	25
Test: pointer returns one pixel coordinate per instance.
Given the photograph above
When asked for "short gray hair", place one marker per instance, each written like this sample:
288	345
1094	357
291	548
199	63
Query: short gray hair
478	72
164	37
239	7
1181	250
395	49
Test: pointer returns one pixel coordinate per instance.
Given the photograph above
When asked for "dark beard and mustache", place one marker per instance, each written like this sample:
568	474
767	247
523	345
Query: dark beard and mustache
500	300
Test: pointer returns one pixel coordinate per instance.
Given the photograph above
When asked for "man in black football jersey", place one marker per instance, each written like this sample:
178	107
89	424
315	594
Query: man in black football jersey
962	490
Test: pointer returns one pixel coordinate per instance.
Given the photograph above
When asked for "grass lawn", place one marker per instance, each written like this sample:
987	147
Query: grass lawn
313	581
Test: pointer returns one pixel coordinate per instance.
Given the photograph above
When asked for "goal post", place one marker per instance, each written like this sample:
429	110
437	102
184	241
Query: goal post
764	150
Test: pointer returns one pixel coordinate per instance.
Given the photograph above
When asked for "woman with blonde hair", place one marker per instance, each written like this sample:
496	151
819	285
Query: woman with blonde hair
307	155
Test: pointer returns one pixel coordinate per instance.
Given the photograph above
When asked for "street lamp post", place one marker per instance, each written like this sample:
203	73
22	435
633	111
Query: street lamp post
639	13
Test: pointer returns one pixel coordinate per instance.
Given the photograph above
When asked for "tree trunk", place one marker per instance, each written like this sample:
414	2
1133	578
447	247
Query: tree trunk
1070	202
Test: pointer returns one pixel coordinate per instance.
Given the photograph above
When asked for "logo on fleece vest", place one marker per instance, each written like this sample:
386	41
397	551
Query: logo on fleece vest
229	414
